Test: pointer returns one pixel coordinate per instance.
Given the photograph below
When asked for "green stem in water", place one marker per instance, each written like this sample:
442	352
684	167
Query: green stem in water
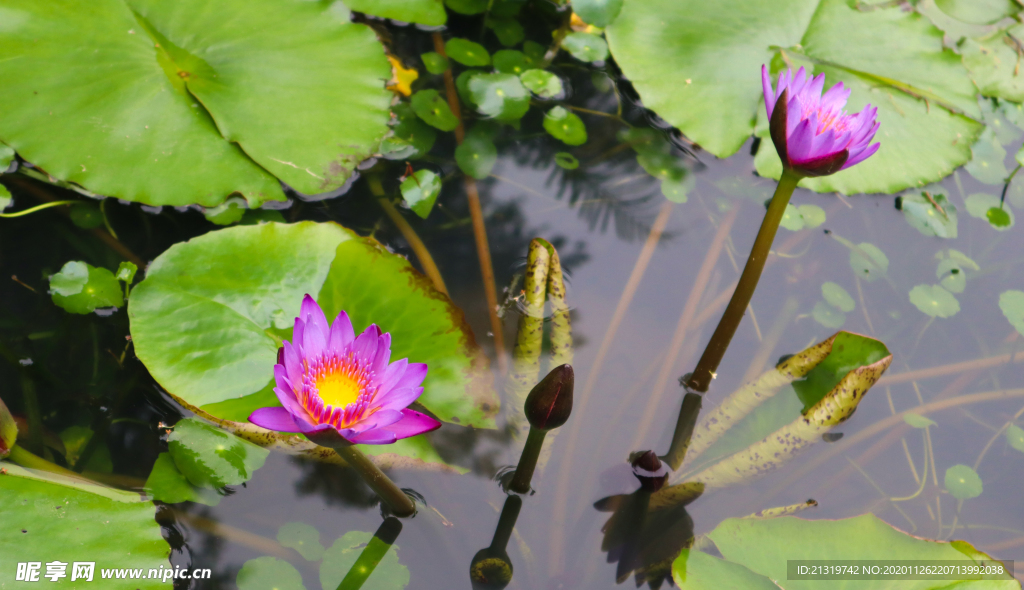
528	461
37	208
401	504
701	378
372	554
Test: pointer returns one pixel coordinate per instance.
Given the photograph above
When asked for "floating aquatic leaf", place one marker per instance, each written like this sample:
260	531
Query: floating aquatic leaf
599	13
791	218
432	108
987	164
303	538
232	92
1015	437
987	207
411	138
868	261
168	484
5	198
677	191
993	63
917	420
424	12
837	297
542	83
963	482
477	154
211	457
654	153
586	46
510	61
6	157
813	215
565	126
981	12
849	352
929	212
85	215
501	96
51	518
566	160
420	191
507	8
227	213
434	62
82	288
229	298
951	270
467	6
935	301
339	558
467	52
462	85
671	50
268	573
75	438
508	30
1012	305
535	51
696	570
828	316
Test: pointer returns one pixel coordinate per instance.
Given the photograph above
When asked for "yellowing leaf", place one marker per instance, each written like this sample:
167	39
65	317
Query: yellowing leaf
401	77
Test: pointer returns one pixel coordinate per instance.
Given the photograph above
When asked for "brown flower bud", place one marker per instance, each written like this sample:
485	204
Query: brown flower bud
649	469
550	402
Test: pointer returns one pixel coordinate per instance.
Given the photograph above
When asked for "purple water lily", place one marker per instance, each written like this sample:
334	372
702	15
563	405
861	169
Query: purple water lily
330	379
812	133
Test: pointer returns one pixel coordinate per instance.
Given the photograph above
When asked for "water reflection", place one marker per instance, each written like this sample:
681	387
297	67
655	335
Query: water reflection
491	568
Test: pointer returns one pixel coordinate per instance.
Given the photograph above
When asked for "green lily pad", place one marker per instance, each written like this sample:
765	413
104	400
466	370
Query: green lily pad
462	85
765	545
677	191
542	83
917	420
86	215
467	6
501	96
420	191
980	12
925	216
1012	305
791	218
211	457
654	153
565	126
510	61
75	438
849	352
467	52
993	63
48	518
477	154
432	108
696	570
566	160
963	482
935	301
508	30
82	288
586	46
813	215
1015	437
869	262
227	213
951	270
988	162
672	52
423	12
599	13
434	62
837	297
5	198
389	573
411	138
6	157
828	316
230	297
168	484
303	538
987	207
231	92
268	573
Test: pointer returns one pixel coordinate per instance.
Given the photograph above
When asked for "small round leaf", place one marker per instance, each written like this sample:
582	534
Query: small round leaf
828	316
434	110
868	261
420	191
467	52
82	288
917	420
585	46
837	297
501	96
1012	305
510	61
565	126
542	83
1015	437
963	482
934	301
434	62
268	573
567	161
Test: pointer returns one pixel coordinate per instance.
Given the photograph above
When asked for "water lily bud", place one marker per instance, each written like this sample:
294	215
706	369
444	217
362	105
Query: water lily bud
8	430
550	402
649	469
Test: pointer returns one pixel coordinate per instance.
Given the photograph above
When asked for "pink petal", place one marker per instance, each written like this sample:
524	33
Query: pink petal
365	344
383	354
342	333
413	423
378	419
398	399
314	337
799	142
278	419
292	364
769	95
864	155
373	437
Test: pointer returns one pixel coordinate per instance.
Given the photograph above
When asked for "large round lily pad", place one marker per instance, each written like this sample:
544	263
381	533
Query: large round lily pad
172	103
211	313
697	64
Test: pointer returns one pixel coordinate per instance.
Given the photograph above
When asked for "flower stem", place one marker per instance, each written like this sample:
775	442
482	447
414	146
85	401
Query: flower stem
715	350
528	461
36	208
400	503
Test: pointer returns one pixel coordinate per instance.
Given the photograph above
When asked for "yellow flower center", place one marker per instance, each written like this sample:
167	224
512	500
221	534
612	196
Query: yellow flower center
338	388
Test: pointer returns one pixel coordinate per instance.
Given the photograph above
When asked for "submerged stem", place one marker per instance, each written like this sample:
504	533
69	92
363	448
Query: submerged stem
401	504
708	364
31	210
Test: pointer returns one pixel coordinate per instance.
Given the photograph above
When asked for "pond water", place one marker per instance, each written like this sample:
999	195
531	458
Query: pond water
963	371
